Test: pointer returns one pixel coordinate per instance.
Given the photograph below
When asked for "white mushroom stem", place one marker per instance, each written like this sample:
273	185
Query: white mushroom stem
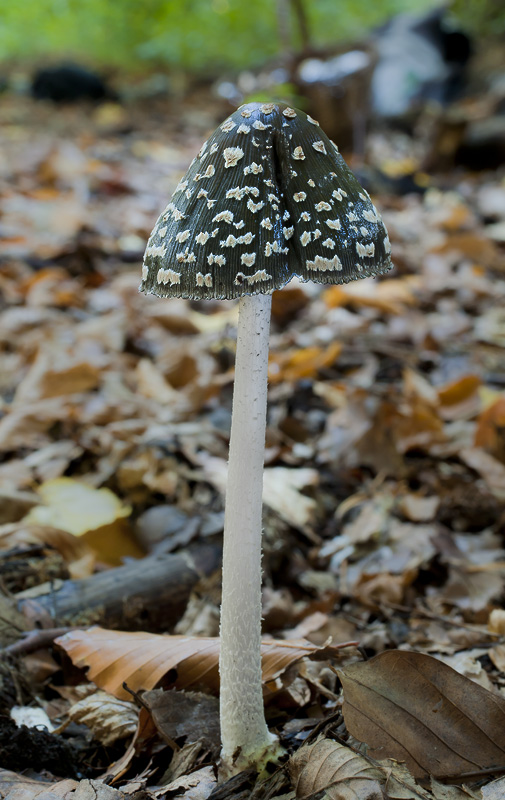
244	734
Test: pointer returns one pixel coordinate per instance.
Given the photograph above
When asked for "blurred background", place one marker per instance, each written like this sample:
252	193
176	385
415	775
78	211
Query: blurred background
102	107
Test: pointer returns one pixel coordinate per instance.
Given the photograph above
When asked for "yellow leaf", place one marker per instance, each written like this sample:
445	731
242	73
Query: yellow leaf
75	507
303	363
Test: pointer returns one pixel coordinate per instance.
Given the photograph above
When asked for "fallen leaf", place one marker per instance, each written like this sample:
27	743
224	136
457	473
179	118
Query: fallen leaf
489	433
281	492
199	785
107	717
460	398
496	621
95	514
20	787
193	715
75	507
471	590
418	508
442	791
78	555
306	362
494	790
54	373
390	296
491	470
473	246
142	659
329	767
412	707
281	489
27	426
400	783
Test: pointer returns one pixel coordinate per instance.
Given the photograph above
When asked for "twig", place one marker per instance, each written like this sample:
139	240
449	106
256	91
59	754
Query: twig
34	640
479	773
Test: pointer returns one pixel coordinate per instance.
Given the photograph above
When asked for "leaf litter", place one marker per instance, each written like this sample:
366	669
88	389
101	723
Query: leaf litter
385	484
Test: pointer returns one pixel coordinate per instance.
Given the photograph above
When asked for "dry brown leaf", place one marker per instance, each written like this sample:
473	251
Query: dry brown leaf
95	790
390	296
443	791
19	787
489	433
414	708
473	246
294	365
400	783
491	470
338	771
199	785
151	382
281	489
471	590
419	508
76	552
496	621
107	717
142	659
54	373
460	398
26	426
193	715
494	790
286	304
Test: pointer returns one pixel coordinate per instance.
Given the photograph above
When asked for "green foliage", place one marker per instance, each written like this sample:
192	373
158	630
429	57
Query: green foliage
481	17
199	35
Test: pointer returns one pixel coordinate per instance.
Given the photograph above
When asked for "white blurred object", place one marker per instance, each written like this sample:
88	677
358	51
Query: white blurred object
333	70
31	717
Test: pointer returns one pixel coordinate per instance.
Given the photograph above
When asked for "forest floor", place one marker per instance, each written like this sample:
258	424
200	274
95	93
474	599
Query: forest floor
384	513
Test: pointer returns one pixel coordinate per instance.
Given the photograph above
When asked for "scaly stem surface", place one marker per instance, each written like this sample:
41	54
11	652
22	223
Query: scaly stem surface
244	733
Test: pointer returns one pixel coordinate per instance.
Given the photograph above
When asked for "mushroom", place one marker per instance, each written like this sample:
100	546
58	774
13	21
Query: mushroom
267	198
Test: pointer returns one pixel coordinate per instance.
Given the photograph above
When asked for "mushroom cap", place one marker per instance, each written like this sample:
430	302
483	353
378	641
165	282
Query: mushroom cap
267	198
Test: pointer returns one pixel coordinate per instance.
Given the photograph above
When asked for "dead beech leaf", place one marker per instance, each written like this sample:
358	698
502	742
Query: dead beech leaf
460	398
77	554
106	716
413	708
488	467
55	373
335	769
142	659
496	621
490	425
194	715
281	489
473	246
20	787
400	783
294	365
443	791
494	790
390	296
419	508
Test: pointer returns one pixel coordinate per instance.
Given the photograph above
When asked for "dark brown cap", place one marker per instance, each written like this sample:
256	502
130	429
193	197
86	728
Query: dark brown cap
268	197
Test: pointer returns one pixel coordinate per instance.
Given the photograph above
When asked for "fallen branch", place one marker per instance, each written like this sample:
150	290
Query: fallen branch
150	594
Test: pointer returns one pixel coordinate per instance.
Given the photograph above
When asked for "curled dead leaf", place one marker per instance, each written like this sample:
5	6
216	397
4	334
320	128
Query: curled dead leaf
106	716
335	769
